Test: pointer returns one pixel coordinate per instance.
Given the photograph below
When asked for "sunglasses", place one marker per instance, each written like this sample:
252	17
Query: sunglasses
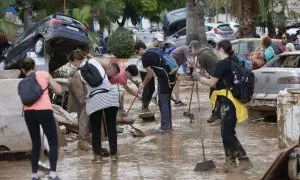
283	37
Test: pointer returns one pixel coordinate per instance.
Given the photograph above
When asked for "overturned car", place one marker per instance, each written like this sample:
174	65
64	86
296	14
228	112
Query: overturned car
56	35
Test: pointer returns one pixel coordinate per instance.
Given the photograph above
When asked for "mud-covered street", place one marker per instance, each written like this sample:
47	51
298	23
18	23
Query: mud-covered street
163	156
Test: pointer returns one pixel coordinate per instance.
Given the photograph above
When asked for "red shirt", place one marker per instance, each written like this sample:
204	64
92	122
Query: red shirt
121	78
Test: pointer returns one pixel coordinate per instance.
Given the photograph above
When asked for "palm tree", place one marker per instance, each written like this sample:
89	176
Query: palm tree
195	22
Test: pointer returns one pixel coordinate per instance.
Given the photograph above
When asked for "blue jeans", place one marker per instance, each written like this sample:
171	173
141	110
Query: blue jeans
164	101
165	111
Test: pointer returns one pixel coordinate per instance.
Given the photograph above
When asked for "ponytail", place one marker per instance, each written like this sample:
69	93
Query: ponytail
227	47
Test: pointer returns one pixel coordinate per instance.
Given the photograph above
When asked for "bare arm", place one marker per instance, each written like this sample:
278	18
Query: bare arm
129	90
209	82
148	77
77	88
54	85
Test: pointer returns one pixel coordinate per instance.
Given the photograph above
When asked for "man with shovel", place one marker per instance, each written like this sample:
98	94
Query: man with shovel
121	79
166	80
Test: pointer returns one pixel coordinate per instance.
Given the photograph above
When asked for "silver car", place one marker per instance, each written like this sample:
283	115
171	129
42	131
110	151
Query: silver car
215	32
270	80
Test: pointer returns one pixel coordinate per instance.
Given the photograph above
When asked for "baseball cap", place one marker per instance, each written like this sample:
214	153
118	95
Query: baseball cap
159	37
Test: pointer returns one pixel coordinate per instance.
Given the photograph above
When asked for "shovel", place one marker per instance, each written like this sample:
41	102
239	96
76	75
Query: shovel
138	132
188	114
205	165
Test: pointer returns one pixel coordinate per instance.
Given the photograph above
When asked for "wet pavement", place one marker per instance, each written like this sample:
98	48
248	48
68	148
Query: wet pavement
163	156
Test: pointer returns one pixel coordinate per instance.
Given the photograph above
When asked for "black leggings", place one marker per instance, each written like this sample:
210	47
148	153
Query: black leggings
110	121
232	146
148	90
45	118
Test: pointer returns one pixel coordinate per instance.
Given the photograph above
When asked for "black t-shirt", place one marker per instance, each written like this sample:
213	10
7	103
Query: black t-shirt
150	59
223	72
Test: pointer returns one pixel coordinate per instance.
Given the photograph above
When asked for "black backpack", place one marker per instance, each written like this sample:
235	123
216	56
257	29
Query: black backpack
243	83
91	74
30	90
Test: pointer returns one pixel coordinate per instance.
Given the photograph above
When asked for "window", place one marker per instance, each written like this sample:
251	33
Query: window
225	27
208	28
182	32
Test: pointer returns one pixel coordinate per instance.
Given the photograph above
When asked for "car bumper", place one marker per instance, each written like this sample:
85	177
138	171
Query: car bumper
263	102
221	38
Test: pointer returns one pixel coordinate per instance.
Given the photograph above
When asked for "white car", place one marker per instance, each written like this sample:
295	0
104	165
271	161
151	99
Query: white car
282	73
215	32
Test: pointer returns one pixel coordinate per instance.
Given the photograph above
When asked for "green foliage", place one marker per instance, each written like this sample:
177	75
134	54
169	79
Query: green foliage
82	14
121	43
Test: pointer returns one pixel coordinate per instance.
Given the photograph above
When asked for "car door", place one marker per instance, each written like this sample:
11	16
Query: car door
180	37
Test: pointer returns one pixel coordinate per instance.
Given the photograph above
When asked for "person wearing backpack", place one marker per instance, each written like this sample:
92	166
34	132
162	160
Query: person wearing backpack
232	109
77	99
154	62
102	102
34	93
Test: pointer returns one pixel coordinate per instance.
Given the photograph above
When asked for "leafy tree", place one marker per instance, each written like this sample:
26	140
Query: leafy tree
133	9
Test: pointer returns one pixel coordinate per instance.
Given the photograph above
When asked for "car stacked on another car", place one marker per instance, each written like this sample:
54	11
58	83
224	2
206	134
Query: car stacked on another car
58	33
270	80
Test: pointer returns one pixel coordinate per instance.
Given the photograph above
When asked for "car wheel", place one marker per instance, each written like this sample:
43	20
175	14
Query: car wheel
39	46
212	45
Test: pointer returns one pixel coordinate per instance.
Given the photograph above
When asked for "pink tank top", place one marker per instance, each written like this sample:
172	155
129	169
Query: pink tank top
44	102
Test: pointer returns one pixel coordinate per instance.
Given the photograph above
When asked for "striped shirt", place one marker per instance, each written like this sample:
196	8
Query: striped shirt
100	100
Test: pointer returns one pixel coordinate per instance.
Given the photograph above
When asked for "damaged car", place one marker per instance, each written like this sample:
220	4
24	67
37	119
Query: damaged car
55	35
283	73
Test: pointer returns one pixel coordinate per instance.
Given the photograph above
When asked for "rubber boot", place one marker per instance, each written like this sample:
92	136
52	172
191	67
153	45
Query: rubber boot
244	165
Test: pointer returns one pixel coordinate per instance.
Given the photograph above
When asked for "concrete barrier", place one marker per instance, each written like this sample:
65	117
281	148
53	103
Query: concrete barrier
14	135
288	117
13	130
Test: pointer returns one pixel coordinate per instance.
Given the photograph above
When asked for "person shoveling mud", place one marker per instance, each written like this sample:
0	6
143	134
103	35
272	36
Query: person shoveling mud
166	76
231	109
126	73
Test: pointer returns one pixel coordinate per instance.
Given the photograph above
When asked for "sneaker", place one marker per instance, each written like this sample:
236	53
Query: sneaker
114	157
56	178
244	165
179	103
35	178
97	159
84	145
228	166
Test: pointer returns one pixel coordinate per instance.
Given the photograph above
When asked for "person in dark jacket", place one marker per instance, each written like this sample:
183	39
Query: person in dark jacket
230	109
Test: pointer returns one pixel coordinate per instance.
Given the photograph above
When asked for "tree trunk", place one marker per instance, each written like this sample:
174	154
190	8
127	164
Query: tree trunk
246	26
27	16
195	22
270	26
